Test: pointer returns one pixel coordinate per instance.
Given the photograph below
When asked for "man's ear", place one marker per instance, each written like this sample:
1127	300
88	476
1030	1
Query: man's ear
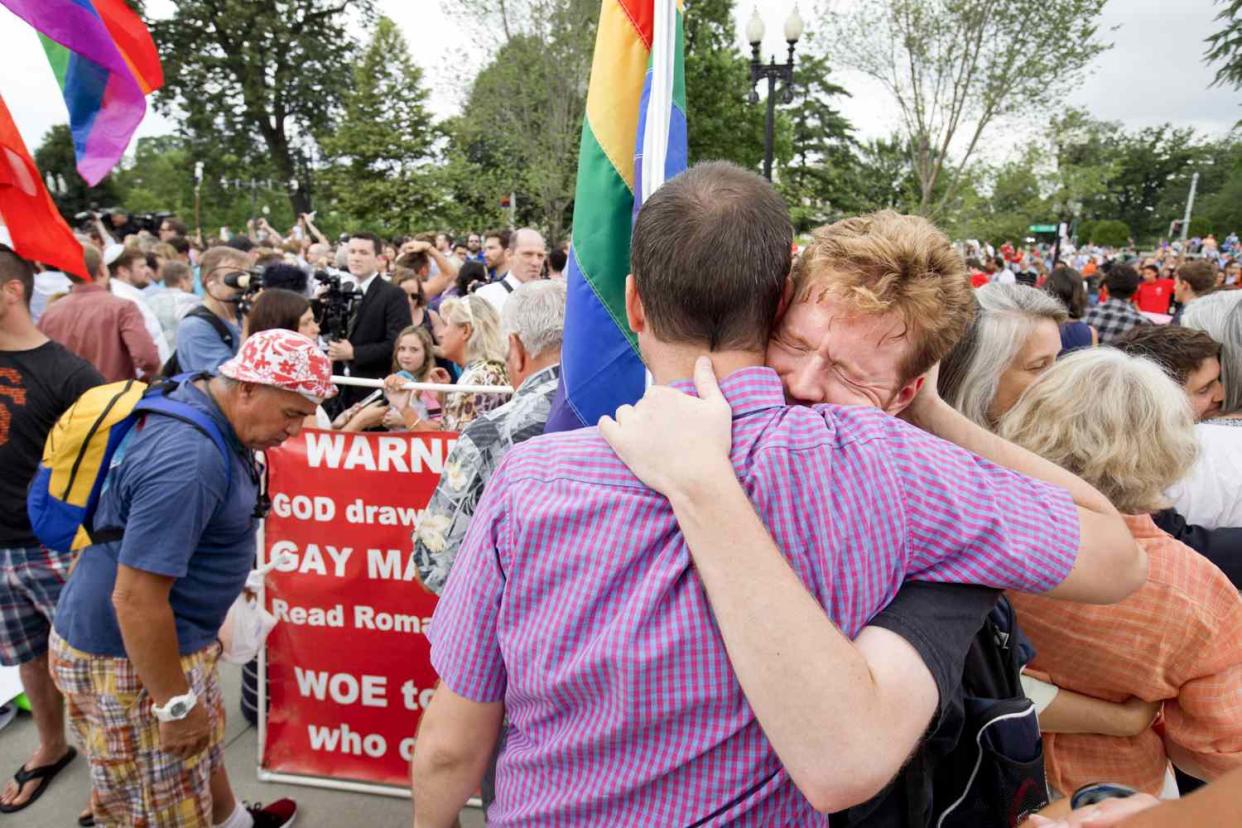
787	296
634	313
518	350
906	395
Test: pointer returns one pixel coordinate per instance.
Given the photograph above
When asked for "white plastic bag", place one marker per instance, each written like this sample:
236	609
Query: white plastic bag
248	624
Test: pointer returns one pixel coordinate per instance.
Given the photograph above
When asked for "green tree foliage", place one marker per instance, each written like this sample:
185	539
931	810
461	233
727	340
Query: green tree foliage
1221	185
955	66
1110	233
256	81
56	160
380	153
721	122
818	179
1225	46
160	178
520	128
1083	154
882	176
1148	166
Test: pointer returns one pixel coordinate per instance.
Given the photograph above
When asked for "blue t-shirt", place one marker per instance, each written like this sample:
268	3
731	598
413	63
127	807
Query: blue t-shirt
199	346
168	487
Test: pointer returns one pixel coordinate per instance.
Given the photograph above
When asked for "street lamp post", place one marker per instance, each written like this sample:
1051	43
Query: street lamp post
773	73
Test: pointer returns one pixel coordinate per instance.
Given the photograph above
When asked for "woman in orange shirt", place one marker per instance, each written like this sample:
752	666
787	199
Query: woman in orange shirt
1178	640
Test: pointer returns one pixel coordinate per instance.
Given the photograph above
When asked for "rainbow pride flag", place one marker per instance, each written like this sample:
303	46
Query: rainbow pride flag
633	140
106	64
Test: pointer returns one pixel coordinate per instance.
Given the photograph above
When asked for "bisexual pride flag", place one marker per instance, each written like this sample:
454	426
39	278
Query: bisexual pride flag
633	140
106	64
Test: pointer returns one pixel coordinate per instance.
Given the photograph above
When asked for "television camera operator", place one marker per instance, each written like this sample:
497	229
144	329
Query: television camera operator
211	333
376	318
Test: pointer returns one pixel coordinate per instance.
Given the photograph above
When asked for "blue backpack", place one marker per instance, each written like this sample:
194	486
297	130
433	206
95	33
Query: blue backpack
78	454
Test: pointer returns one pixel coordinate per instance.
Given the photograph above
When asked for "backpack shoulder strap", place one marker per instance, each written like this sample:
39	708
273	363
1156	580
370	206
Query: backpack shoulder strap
159	403
205	314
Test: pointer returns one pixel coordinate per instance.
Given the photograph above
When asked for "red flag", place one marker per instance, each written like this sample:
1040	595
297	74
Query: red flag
36	228
134	41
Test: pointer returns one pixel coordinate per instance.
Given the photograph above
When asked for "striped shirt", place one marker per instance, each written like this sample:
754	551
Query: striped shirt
574	601
1178	639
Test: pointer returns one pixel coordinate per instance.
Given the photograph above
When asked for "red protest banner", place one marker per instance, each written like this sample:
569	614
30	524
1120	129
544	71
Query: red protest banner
348	665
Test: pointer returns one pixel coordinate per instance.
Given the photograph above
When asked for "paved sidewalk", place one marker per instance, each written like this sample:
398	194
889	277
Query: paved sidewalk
317	808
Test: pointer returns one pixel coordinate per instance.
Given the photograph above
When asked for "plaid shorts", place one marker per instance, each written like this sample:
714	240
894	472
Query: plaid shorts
133	782
30	582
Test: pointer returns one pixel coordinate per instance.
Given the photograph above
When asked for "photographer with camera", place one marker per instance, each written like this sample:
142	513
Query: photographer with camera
211	333
376	319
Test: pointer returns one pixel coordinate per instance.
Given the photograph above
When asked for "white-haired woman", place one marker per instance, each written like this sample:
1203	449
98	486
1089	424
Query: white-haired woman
1121	424
1014	338
1211	494
469	335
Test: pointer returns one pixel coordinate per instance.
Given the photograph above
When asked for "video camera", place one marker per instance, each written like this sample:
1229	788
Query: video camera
334	305
134	223
249	282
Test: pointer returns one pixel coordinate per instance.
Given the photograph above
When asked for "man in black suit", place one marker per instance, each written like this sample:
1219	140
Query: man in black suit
378	318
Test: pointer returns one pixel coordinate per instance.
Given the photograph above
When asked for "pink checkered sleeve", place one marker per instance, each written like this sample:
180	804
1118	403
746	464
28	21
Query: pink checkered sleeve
465	649
971	521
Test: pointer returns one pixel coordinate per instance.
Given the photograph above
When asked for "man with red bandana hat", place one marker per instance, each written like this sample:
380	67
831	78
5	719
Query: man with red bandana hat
134	645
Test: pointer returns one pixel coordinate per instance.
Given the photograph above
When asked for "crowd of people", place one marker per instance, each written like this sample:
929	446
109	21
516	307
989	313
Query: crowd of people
904	533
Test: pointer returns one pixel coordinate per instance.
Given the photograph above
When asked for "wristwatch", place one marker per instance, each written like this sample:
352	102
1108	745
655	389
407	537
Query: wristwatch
177	708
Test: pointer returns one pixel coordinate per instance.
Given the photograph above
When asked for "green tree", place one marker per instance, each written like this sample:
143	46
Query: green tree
520	128
817	179
954	67
1221	204
1149	166
380	153
1084	155
721	121
1225	46
257	80
56	160
1110	233
883	178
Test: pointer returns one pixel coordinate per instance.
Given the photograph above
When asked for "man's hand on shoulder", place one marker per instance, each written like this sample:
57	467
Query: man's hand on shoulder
673	442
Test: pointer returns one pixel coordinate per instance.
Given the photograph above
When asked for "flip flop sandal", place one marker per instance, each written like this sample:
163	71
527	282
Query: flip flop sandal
43	775
86	820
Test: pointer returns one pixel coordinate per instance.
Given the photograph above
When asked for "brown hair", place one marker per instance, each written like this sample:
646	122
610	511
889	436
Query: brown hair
1066	284
887	262
93	259
216	257
276	308
413	261
127	258
13	268
710	256
177	273
1199	274
429	356
1176	349
401	275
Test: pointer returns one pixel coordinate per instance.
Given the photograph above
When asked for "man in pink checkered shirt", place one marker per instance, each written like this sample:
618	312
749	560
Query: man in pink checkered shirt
574	607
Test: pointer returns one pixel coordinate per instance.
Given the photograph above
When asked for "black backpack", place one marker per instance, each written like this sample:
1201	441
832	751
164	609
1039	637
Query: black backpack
994	774
983	766
172	368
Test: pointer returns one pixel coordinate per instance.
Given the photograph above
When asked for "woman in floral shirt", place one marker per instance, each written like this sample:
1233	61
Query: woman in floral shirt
470	336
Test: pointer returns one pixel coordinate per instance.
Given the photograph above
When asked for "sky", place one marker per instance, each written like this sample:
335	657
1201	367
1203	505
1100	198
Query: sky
1154	73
